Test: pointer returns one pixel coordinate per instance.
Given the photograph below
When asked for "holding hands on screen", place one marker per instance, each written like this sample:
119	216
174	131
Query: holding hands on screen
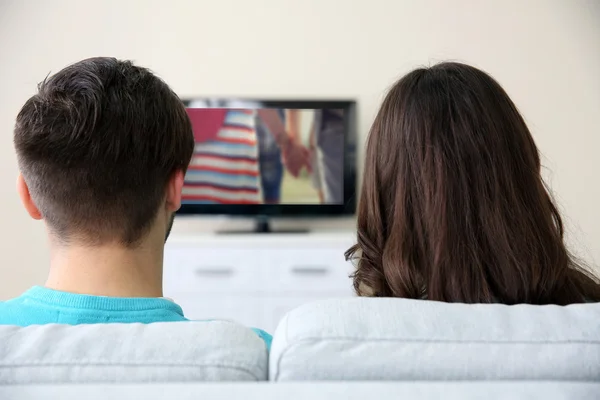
295	156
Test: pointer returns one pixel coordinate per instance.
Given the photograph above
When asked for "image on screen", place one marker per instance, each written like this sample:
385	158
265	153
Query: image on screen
247	154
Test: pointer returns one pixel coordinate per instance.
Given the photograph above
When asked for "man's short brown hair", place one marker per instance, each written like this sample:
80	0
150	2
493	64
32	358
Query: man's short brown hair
97	146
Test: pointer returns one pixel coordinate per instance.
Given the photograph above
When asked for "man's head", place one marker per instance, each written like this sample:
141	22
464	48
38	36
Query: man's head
102	149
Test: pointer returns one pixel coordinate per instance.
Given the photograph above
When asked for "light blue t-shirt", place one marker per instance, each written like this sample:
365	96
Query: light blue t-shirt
39	306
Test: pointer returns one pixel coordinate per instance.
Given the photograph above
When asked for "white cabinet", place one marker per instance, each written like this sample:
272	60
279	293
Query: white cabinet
202	269
255	279
242	309
305	269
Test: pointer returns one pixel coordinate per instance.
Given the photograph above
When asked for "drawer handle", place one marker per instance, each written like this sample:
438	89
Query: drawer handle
216	272
308	270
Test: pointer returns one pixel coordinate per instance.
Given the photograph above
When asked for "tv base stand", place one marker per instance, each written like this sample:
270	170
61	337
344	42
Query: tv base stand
262	225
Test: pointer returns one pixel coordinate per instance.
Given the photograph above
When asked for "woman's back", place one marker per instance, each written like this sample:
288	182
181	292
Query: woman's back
453	207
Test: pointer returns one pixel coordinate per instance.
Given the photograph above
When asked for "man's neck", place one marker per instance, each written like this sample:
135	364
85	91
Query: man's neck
110	270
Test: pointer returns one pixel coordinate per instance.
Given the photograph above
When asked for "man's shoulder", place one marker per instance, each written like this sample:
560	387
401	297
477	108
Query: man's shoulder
13	303
267	338
13	312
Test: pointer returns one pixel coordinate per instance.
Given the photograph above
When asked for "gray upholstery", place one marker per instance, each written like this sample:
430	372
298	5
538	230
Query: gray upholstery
515	390
398	339
159	352
550	350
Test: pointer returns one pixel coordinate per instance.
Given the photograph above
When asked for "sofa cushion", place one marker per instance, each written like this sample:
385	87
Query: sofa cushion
400	339
158	352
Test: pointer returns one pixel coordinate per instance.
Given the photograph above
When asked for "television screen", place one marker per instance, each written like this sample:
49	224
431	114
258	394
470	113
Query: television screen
255	157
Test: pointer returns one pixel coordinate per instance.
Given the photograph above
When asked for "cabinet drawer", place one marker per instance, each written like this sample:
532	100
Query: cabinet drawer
220	270
296	271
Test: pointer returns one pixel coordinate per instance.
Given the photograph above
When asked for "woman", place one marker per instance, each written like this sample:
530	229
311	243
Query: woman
453	207
224	168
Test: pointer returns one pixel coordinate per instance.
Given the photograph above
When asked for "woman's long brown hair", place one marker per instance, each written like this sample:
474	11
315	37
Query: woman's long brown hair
453	207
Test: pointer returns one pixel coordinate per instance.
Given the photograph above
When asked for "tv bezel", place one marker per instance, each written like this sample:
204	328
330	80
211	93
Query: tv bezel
348	208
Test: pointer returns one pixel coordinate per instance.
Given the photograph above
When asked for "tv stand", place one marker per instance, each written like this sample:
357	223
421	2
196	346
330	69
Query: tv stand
255	279
262	225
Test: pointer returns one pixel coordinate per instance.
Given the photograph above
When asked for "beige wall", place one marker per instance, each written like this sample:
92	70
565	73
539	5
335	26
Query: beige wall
545	52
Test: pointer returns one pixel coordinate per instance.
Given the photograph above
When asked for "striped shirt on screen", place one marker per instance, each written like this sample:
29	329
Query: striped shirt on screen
225	170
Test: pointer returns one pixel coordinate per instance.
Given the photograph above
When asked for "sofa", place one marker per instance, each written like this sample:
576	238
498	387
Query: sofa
348	348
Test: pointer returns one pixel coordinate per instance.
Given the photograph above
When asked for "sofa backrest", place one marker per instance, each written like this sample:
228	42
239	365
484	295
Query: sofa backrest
399	339
131	353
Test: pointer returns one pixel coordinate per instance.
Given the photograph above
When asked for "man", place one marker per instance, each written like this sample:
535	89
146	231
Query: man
270	161
327	148
102	148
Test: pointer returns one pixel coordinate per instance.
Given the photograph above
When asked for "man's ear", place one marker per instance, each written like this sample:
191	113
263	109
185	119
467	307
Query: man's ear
174	188
26	199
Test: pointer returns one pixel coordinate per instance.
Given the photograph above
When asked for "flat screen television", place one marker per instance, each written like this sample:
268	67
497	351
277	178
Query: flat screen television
271	158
